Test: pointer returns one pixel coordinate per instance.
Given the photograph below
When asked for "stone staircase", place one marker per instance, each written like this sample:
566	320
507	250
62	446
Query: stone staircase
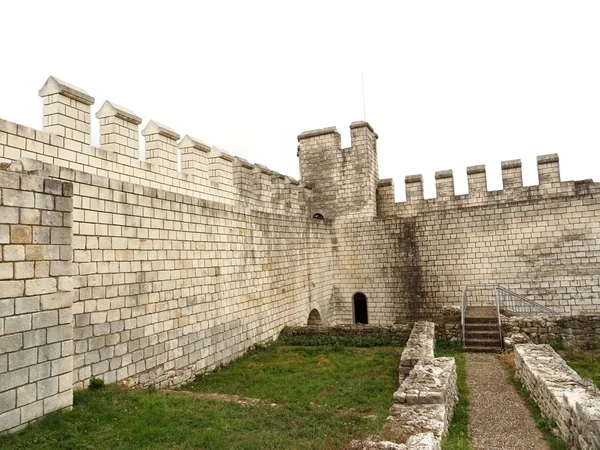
481	330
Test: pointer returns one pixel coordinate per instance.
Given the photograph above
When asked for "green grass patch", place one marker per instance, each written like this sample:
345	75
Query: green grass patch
324	399
447	348
333	377
458	433
544	424
586	362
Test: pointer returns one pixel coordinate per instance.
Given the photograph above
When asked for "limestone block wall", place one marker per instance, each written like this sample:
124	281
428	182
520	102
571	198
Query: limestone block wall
379	259
36	333
207	172
425	400
174	272
344	180
397	333
415	257
167	286
561	394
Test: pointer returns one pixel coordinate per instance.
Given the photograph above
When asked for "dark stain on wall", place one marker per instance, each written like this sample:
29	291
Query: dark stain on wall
410	271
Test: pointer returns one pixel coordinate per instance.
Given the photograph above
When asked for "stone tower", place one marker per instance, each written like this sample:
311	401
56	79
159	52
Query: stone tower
344	181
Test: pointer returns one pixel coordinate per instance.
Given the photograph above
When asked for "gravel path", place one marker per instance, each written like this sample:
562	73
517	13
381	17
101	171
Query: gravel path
498	419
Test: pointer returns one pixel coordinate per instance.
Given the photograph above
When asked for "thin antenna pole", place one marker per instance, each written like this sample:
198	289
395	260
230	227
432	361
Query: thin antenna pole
362	74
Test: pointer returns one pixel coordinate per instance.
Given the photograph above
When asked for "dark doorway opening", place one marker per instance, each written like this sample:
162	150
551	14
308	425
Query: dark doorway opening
314	318
360	308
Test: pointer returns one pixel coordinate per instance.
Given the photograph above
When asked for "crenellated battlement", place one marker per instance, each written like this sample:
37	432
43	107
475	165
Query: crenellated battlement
119	129
182	165
344	180
189	166
549	186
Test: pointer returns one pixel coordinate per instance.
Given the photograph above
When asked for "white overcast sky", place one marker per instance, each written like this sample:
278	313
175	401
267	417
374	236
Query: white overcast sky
448	84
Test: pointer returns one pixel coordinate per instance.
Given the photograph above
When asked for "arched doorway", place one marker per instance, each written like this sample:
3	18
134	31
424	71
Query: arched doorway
314	318
359	303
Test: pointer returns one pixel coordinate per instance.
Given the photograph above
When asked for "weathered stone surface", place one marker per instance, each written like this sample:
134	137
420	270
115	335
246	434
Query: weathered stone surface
31	368
397	333
511	339
420	441
447	329
425	400
419	346
409	419
375	445
561	394
553	328
423	441
431	381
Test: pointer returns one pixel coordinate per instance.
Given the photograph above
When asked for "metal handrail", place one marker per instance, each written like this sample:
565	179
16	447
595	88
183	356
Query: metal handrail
463	313
530	303
498	315
503	299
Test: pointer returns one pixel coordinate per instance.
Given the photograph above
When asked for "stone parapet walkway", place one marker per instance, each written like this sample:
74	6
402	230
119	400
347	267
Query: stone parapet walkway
498	418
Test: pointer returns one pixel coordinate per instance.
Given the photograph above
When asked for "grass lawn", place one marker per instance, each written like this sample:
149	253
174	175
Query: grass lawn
324	397
458	433
585	362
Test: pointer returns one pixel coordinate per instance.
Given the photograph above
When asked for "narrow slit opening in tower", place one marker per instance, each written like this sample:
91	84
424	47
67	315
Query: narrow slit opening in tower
360	308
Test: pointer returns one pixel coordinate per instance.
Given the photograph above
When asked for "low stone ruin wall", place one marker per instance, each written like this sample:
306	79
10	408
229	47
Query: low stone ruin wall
419	347
396	333
447	329
421	441
546	329
561	394
447	325
424	402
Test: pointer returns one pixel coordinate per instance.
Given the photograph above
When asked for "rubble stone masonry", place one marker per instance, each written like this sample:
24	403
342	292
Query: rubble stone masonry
572	403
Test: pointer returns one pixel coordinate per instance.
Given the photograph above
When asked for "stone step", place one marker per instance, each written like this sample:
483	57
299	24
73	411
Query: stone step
475	349
482	311
478	332
470	342
472	320
478	338
481	327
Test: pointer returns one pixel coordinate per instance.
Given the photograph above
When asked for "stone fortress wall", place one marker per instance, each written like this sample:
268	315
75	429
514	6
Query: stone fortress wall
413	258
173	272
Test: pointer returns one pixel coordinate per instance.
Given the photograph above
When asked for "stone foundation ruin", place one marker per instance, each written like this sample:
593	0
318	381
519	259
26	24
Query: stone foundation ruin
425	400
572	403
